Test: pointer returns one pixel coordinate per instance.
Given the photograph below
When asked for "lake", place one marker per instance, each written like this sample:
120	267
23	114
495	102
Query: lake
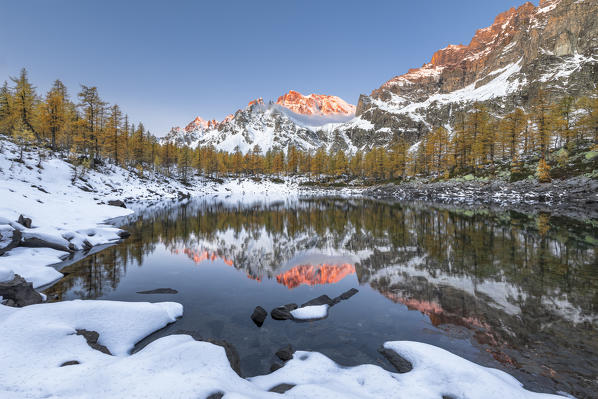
514	291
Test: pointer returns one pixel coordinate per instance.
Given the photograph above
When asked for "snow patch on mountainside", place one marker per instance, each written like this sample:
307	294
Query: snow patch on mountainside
505	83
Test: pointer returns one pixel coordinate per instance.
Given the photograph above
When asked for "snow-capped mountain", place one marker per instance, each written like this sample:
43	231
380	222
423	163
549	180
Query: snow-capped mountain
315	104
553	46
305	122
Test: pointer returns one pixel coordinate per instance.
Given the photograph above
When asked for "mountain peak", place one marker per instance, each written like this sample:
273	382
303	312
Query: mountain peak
315	104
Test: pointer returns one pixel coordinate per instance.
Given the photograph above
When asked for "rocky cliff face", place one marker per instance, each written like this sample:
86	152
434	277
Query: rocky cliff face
315	104
554	45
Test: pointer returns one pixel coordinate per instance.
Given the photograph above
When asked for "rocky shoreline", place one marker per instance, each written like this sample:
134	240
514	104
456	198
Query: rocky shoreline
575	197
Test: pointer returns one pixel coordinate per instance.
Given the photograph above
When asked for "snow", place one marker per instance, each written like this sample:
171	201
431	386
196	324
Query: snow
32	264
6	275
38	339
500	86
66	215
310	312
569	65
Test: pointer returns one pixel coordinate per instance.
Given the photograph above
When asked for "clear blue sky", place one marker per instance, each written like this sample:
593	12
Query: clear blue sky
165	62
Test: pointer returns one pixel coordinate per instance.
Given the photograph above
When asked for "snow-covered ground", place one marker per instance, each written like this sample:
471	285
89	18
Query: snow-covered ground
73	215
36	341
39	339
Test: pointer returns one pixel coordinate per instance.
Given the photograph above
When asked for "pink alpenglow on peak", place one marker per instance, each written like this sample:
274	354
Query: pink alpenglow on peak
315	104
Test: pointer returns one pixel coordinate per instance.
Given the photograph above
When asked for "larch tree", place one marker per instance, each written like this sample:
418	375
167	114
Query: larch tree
543	123
91	104
55	113
24	102
113	132
6	114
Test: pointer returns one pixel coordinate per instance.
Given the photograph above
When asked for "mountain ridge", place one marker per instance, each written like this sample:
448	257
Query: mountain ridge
552	46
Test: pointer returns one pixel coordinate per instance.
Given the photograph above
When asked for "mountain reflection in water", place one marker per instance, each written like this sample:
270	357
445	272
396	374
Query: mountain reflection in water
520	289
314	275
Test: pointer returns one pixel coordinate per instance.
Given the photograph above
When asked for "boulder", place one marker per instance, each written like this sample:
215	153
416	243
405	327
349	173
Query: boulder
9	238
35	240
321	300
159	291
259	315
345	295
118	203
18	292
24	221
124	234
401	364
285	353
283	312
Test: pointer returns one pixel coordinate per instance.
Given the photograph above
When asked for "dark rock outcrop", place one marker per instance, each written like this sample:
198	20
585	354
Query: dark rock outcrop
281	388
401	364
9	238
118	203
259	315
34	240
18	292
345	295
275	366
70	363
283	312
92	340
285	353
124	234
159	291
321	300
24	221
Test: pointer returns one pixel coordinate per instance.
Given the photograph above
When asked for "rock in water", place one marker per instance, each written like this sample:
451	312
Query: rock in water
283	312
401	364
275	366
124	234
19	292
285	353
321	300
345	295
159	291
259	315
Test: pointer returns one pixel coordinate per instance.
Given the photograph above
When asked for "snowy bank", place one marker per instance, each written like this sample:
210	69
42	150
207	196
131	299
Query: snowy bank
38	340
68	215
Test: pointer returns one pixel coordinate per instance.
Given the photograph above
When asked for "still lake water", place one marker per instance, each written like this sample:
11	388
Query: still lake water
503	289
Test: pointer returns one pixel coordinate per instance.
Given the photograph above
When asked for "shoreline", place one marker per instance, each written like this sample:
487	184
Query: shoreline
232	190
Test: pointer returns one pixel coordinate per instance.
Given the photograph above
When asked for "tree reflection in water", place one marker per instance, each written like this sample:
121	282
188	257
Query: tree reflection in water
522	287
